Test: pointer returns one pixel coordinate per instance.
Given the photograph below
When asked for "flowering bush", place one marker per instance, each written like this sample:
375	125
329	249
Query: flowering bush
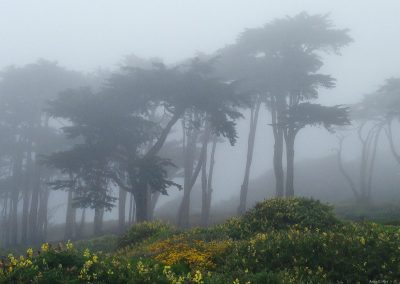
281	213
273	243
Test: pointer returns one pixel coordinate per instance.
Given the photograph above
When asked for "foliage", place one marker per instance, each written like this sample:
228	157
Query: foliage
277	213
107	243
289	244
143	231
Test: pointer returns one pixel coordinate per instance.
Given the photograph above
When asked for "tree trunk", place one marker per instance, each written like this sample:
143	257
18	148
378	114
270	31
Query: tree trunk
42	215
204	189
141	207
17	174
80	228
70	225
98	221
141	198
24	219
389	135
33	214
207	207
250	150
373	158
278	154
344	172
184	209
189	150
153	202
131	209
121	210
289	139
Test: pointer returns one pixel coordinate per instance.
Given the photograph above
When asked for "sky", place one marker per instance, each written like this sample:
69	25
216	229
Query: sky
86	35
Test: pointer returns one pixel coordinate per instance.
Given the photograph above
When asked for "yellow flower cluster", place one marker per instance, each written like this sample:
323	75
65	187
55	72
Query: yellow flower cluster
196	253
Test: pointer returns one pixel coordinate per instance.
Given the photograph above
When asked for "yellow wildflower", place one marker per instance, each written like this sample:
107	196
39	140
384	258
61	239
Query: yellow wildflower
29	252
45	247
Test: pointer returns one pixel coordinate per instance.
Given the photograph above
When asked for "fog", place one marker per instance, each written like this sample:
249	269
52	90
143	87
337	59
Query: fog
95	37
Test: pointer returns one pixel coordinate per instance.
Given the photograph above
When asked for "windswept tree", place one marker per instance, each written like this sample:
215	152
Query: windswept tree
375	114
384	105
116	123
284	58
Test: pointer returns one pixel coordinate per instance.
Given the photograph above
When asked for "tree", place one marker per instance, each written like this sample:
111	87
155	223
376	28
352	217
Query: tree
285	58
374	114
23	93
115	123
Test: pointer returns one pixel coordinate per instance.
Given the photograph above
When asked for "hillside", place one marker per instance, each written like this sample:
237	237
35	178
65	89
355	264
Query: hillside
279	241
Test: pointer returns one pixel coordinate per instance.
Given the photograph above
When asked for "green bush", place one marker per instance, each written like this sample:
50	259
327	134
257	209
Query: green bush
144	231
278	214
350	253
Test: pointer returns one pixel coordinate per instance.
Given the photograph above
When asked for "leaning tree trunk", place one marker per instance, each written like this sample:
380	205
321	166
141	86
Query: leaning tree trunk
250	150
141	193
184	209
189	150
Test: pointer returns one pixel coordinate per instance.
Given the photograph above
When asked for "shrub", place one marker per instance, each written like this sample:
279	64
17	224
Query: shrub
351	253
144	231
279	213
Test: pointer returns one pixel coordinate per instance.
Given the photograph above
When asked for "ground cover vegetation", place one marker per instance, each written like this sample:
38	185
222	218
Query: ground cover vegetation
294	240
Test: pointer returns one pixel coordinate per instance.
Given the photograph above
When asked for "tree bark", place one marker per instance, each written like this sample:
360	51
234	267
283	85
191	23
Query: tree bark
250	150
